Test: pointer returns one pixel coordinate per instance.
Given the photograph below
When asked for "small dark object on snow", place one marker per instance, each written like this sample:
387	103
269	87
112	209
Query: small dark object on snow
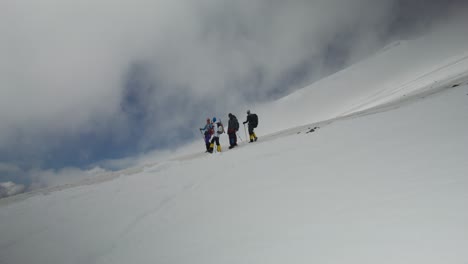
455	85
312	130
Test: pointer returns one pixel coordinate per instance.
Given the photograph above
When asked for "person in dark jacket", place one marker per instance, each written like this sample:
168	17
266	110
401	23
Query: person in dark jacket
252	120
233	127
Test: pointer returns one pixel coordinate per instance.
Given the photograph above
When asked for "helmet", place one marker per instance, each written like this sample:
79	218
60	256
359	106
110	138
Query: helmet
230	115
214	119
248	112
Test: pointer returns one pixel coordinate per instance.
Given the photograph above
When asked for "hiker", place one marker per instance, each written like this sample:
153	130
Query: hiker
233	127
215	139
209	131
252	119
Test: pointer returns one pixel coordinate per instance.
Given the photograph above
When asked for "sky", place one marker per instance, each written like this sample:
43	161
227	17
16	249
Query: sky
83	82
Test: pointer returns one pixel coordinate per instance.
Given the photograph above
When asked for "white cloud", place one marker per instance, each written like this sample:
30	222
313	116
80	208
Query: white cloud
63	62
50	178
10	188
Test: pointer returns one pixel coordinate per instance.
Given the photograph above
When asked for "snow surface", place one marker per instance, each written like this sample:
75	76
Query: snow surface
383	180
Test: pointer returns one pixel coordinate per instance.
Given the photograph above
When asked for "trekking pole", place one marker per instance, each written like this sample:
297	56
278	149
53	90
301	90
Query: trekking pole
203	136
239	137
245	132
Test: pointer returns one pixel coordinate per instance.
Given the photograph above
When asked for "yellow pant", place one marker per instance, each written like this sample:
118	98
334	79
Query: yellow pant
253	136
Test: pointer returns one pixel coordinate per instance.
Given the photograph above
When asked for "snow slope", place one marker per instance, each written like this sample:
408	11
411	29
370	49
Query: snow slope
396	71
383	180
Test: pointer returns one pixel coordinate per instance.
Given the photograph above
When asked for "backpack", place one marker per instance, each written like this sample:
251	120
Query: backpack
236	124
254	120
220	128
211	129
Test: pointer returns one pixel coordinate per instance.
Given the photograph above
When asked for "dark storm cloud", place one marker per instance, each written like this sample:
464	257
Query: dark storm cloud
417	16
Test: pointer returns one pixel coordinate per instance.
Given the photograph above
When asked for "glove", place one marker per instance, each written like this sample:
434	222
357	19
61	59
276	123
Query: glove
244	123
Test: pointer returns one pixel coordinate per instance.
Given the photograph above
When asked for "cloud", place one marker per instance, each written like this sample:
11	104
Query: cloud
49	178
10	188
6	168
82	81
19	180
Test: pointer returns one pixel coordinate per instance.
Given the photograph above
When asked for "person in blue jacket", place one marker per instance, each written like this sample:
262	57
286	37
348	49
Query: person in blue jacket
208	132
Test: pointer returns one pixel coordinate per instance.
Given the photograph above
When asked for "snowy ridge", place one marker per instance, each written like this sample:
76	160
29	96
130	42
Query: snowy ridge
391	45
453	71
409	66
